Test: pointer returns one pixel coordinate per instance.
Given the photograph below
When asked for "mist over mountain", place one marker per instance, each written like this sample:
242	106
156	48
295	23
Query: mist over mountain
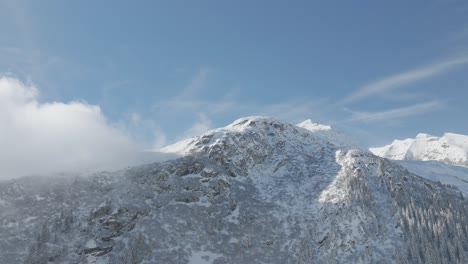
256	191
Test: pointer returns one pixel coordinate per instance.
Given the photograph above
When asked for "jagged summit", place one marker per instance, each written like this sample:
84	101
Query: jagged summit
330	134
313	126
249	142
258	122
424	135
247	125
307	132
451	148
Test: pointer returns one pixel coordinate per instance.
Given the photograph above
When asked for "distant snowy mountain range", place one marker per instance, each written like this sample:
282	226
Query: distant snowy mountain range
443	159
450	148
256	191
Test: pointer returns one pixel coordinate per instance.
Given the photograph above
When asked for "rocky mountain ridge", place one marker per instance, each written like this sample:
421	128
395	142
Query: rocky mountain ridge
256	191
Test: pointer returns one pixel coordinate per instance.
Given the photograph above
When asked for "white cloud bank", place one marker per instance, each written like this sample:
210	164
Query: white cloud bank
41	138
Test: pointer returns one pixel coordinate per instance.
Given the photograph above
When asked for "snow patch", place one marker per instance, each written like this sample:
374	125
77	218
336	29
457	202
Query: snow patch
39	198
203	257
90	243
335	192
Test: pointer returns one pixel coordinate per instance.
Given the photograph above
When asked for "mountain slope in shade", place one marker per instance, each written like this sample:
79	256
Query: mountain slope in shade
256	191
439	171
450	148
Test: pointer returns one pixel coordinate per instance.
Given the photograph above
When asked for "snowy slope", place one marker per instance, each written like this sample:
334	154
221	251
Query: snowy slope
322	133
256	191
328	134
439	171
450	148
443	159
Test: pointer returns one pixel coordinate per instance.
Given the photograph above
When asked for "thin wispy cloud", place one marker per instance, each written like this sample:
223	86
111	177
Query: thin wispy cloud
197	84
190	99
191	103
144	131
396	113
398	81
297	110
202	125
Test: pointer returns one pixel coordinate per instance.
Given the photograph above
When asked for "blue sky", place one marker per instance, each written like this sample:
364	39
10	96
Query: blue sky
165	70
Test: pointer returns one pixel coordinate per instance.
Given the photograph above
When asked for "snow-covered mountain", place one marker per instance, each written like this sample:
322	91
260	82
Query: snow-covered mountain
256	191
443	159
320	133
439	171
329	134
450	148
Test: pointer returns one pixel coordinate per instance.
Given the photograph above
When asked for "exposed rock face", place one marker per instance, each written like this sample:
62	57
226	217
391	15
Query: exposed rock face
256	191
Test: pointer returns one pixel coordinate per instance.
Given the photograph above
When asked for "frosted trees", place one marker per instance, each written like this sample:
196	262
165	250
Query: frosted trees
137	249
37	252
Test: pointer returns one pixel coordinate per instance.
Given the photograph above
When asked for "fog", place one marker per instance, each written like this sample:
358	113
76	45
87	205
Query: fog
44	138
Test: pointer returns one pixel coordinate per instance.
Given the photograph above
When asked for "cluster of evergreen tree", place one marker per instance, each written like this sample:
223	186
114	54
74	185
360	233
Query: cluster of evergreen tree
432	216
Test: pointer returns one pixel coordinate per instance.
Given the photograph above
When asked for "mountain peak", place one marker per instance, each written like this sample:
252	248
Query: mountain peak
313	126
424	135
249	131
450	148
260	125
252	121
